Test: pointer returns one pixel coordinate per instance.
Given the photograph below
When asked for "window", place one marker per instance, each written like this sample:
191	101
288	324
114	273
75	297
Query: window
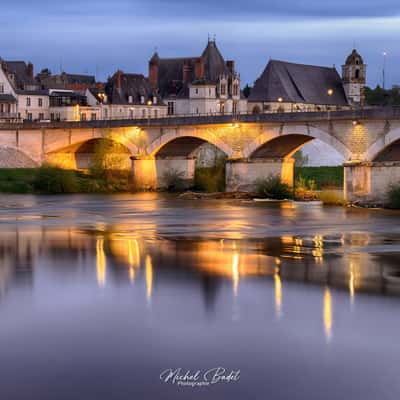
41	116
155	100
28	101
155	113
234	107
1	108
197	110
209	92
222	107
141	99
1	88
197	91
105	113
40	102
171	108
8	108
131	114
235	90
130	99
223	89
357	74
29	117
144	113
83	116
93	116
52	116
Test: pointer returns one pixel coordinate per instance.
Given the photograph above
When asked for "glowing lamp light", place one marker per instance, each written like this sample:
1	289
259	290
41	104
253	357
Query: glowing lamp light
355	122
280	99
330	92
149	103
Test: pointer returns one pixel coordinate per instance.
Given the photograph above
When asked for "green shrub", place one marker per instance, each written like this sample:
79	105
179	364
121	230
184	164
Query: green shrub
211	179
394	196
273	188
174	181
332	198
305	189
56	180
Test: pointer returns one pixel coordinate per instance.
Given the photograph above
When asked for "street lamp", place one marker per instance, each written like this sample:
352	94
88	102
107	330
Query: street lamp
330	92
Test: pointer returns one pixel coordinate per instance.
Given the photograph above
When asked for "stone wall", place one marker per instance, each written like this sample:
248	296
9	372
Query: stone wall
12	158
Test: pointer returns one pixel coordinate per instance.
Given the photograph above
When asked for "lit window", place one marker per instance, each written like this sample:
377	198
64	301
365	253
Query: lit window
93	116
83	117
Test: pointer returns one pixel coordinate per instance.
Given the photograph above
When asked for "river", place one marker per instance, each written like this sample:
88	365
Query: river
100	295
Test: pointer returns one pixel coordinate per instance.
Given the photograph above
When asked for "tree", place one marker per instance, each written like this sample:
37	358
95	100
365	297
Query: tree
247	91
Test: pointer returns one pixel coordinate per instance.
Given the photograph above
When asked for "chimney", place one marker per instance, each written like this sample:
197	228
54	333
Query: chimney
153	72
186	71
199	68
29	70
118	79
231	66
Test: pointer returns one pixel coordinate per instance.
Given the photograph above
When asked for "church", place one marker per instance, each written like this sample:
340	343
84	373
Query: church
290	87
205	84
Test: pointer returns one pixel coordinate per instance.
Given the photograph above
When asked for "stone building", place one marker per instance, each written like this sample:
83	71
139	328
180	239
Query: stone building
128	96
20	95
354	73
290	87
65	81
206	84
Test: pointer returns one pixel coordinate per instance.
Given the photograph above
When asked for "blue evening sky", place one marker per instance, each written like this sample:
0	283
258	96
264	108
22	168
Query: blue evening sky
99	36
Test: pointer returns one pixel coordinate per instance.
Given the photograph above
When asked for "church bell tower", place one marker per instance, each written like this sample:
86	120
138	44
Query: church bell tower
354	73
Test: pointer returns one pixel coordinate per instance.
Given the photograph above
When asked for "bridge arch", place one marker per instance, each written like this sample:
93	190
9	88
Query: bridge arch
80	155
183	144
281	145
386	148
13	157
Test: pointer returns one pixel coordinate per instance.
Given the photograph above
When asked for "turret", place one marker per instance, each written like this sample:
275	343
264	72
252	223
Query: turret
354	73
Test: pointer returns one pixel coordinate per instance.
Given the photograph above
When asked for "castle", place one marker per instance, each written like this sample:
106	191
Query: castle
203	85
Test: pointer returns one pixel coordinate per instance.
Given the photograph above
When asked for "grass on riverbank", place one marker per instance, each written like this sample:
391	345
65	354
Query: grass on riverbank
323	177
56	180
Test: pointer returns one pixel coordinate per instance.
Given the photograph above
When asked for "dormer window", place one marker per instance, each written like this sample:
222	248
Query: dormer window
154	99
141	99
223	89
130	99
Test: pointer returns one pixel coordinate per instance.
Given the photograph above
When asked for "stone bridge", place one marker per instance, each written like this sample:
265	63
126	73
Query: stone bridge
255	145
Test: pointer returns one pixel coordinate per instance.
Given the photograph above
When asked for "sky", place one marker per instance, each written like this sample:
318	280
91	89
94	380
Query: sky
98	36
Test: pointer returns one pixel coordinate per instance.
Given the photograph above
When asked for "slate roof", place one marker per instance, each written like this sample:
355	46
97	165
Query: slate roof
21	74
67	81
170	71
135	85
299	83
7	98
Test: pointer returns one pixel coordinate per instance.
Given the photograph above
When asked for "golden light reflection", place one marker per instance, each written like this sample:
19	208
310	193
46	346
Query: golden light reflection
278	293
328	321
351	283
133	257
101	263
149	277
235	272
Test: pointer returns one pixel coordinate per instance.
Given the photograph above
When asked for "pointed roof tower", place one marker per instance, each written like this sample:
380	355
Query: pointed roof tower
214	63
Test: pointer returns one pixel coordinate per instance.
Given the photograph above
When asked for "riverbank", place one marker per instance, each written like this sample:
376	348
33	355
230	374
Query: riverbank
49	180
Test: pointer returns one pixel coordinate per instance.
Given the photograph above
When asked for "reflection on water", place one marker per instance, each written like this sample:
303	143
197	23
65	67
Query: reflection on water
281	271
328	262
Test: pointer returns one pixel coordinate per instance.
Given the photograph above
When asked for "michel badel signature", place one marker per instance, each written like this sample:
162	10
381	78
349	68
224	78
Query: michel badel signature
199	378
